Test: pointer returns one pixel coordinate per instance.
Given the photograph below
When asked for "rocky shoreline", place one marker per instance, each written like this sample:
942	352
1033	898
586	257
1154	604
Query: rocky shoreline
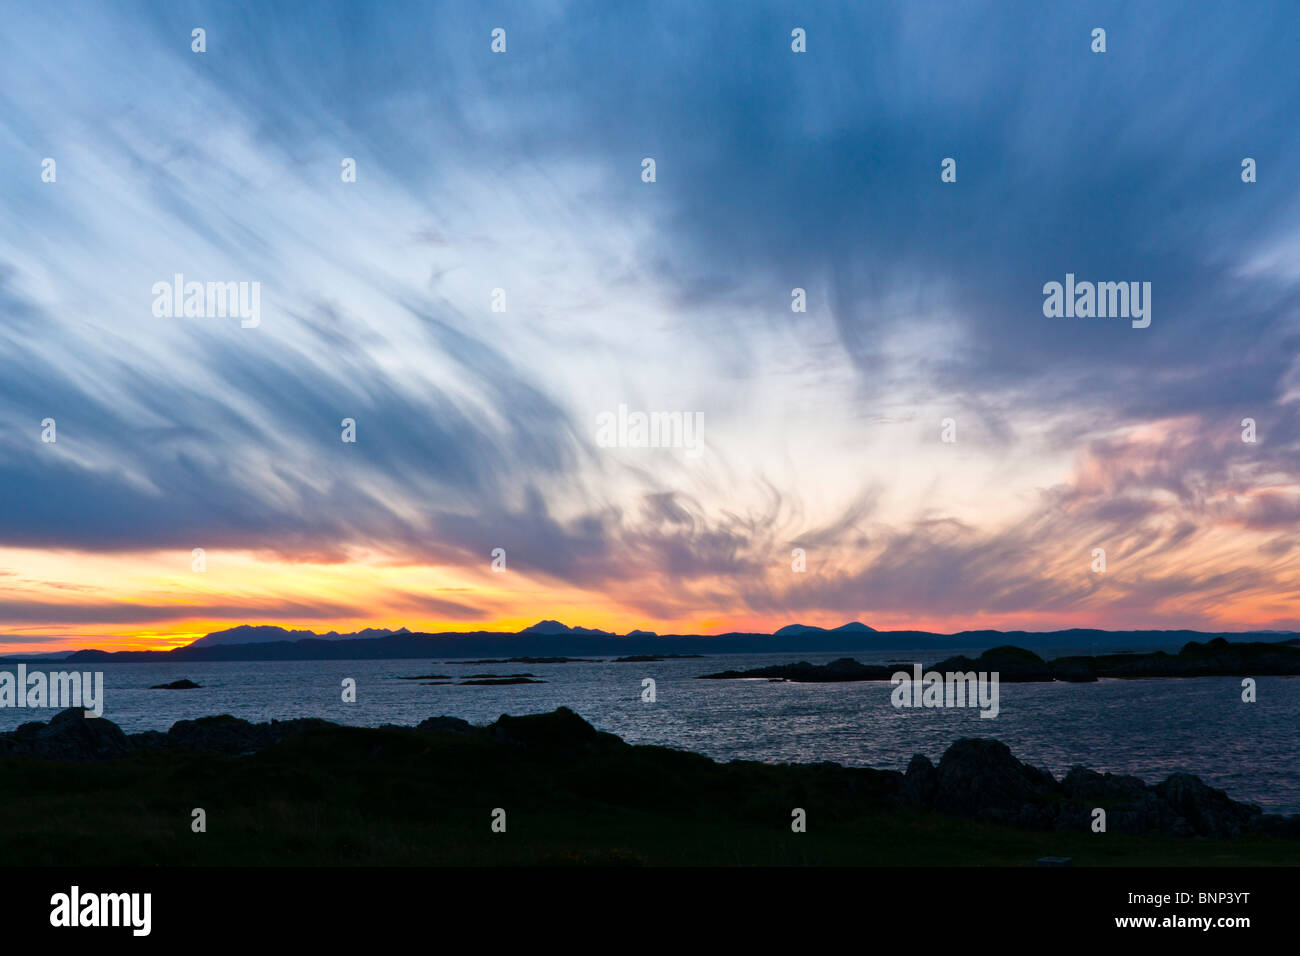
982	780
1215	658
976	779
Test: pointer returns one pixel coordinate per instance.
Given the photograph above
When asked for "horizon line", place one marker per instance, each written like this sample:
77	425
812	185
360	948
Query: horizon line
573	631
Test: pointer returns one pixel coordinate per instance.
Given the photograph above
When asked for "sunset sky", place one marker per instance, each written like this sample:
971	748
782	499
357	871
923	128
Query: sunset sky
522	171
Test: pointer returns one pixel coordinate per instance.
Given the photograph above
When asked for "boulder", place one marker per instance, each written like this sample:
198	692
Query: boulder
981	779
1207	810
69	735
444	724
561	730
920	782
1131	806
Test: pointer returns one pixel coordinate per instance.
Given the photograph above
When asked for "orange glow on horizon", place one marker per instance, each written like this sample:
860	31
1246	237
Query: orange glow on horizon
186	632
62	601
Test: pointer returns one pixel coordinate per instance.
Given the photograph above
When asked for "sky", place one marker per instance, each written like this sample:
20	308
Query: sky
501	277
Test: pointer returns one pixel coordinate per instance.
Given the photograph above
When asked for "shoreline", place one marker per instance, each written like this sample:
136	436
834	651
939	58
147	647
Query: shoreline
1013	664
615	801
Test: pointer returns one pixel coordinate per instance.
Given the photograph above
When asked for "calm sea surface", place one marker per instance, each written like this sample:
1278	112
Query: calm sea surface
1149	728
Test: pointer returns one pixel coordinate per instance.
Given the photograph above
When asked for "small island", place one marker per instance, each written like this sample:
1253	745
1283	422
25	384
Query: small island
535	660
499	680
1215	658
844	669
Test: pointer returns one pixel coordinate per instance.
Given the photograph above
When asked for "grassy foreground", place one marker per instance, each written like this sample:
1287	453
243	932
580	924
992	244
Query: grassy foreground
340	796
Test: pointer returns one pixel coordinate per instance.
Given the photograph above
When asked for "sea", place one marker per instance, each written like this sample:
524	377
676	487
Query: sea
1147	728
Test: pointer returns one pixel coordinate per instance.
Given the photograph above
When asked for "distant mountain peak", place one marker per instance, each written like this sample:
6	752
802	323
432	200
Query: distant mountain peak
546	627
264	633
555	627
794	630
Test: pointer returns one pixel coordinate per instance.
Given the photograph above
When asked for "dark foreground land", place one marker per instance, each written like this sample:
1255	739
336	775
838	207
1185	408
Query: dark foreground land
77	792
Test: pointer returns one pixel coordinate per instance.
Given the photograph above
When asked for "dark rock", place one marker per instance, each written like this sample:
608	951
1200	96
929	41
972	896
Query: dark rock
1207	810
182	684
231	735
451	725
69	735
1075	670
844	669
981	779
534	660
978	779
499	676
1215	658
499	681
560	730
224	734
1130	805
1011	664
920	782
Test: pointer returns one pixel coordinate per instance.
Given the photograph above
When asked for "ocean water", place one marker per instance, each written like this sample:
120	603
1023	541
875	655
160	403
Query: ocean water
1148	728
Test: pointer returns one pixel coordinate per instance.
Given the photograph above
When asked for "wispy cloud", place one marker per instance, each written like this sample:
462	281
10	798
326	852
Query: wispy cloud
521	172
